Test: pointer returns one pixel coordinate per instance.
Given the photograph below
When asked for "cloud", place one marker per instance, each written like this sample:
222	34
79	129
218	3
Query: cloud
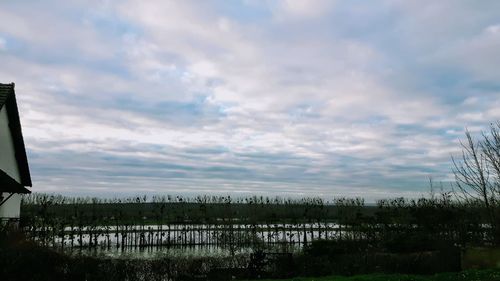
302	9
287	98
3	44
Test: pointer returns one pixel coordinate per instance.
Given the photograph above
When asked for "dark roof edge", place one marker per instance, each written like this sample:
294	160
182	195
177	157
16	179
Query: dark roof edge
10	185
4	90
17	136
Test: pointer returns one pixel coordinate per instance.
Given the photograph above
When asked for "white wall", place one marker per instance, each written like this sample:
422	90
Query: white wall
8	164
11	208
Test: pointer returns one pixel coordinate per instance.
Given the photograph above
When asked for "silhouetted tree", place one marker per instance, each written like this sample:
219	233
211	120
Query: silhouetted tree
477	173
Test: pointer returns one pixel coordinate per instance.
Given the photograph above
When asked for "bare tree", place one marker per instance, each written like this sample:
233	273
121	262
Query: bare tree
491	149
477	173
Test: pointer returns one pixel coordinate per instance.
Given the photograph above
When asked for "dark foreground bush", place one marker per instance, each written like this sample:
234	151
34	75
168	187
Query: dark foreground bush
353	257
21	260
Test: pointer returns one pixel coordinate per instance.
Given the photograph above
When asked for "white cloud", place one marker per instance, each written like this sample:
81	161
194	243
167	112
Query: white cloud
3	44
249	104
302	9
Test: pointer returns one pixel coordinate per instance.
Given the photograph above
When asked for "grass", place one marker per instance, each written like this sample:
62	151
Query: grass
481	258
469	275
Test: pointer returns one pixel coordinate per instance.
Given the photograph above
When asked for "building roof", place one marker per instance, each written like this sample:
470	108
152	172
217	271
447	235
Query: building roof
8	99
10	185
5	90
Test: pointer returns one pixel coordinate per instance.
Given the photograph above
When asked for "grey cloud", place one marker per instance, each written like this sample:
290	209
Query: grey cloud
179	97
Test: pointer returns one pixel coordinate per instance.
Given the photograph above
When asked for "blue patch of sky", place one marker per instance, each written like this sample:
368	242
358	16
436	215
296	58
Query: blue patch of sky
196	107
444	83
361	20
11	42
208	150
397	169
484	86
270	156
346	161
242	11
403	130
304	111
111	25
444	78
186	112
50	56
375	120
115	66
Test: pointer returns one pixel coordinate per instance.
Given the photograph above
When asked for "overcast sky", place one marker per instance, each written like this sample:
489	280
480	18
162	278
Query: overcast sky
288	98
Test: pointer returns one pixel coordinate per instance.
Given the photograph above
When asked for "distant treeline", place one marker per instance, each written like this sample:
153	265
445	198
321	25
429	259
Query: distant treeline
438	217
177	209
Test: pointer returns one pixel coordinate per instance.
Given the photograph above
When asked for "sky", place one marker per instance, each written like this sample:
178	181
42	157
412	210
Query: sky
286	98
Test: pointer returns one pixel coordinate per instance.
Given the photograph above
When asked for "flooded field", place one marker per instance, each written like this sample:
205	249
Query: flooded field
183	239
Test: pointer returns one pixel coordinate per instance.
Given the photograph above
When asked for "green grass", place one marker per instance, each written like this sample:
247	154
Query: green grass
470	275
481	258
